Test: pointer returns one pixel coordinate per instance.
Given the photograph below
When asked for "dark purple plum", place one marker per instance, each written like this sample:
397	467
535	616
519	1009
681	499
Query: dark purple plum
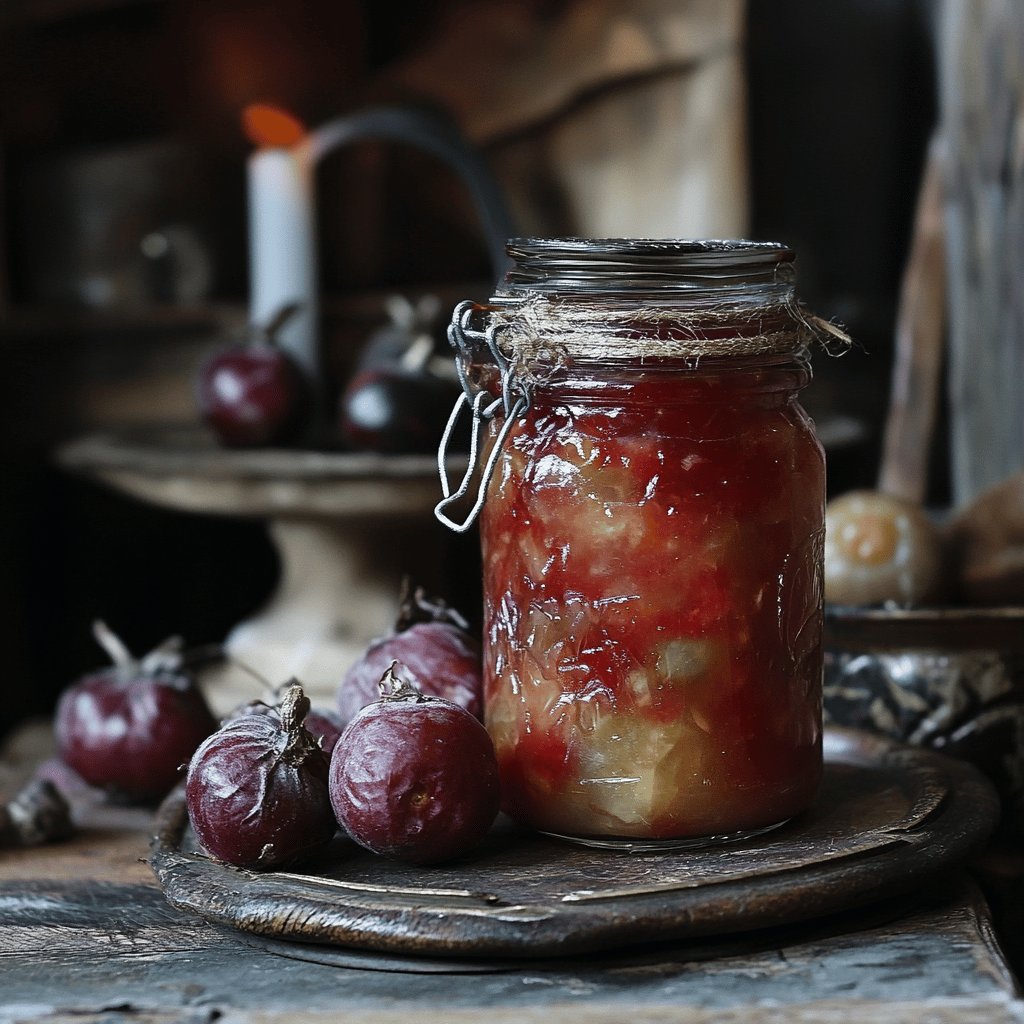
393	409
253	393
415	777
129	729
438	656
257	791
249	396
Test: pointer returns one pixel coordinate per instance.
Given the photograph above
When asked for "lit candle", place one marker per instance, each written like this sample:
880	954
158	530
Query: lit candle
282	232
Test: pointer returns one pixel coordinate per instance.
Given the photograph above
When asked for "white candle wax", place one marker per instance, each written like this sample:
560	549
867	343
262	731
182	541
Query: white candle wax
282	249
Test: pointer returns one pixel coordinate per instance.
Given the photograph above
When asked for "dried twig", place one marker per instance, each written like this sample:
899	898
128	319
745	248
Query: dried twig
37	814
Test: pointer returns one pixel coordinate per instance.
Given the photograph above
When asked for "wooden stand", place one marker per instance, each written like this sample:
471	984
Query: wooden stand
346	527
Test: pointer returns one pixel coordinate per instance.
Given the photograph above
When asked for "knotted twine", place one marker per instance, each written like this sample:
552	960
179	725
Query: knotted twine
537	329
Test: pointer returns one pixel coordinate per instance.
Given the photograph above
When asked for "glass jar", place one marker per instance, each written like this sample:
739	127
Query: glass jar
652	531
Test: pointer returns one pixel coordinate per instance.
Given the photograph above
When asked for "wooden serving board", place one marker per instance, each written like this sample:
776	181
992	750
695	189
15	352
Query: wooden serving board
888	819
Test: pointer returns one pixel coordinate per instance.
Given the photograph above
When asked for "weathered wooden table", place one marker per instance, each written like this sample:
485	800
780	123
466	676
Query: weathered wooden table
86	936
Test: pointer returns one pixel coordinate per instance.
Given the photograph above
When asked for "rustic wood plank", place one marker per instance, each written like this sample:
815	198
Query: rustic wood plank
913	403
981	78
115	1014
87	948
111	852
951	1011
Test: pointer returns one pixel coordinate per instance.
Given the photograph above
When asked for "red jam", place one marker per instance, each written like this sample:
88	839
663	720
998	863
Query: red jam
652	543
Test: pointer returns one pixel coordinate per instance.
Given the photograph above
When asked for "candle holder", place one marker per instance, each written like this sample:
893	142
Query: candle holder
282	208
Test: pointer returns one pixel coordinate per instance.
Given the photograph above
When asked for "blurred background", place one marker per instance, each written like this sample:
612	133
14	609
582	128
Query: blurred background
124	259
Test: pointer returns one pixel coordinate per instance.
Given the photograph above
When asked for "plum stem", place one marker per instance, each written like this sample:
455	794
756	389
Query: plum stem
268	332
166	656
114	646
415	358
394	688
414	606
294	708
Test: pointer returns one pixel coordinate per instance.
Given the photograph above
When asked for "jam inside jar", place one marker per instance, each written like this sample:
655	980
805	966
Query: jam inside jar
652	546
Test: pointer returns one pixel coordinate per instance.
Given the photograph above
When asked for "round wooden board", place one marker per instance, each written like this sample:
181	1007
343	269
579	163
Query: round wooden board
887	820
950	630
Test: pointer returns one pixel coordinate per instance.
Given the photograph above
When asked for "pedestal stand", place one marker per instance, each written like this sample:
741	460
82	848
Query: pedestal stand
346	526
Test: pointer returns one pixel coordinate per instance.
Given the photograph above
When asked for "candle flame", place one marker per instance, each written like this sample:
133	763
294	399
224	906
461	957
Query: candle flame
271	127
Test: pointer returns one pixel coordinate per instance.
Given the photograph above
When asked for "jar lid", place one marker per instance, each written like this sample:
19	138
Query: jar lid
601	265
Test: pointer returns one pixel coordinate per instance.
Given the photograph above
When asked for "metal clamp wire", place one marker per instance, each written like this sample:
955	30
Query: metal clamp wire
513	406
460	334
479	415
458	329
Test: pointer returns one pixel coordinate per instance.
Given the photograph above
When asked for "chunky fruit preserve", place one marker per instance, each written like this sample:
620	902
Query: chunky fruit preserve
653	605
652	545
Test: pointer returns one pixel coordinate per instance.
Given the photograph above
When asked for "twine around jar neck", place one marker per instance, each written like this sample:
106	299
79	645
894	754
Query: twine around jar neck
531	328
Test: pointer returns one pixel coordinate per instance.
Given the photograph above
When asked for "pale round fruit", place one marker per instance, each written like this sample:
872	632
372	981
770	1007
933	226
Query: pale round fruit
879	548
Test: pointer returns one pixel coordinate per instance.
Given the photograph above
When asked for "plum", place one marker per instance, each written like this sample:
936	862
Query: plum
129	728
432	643
414	777
253	393
257	791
